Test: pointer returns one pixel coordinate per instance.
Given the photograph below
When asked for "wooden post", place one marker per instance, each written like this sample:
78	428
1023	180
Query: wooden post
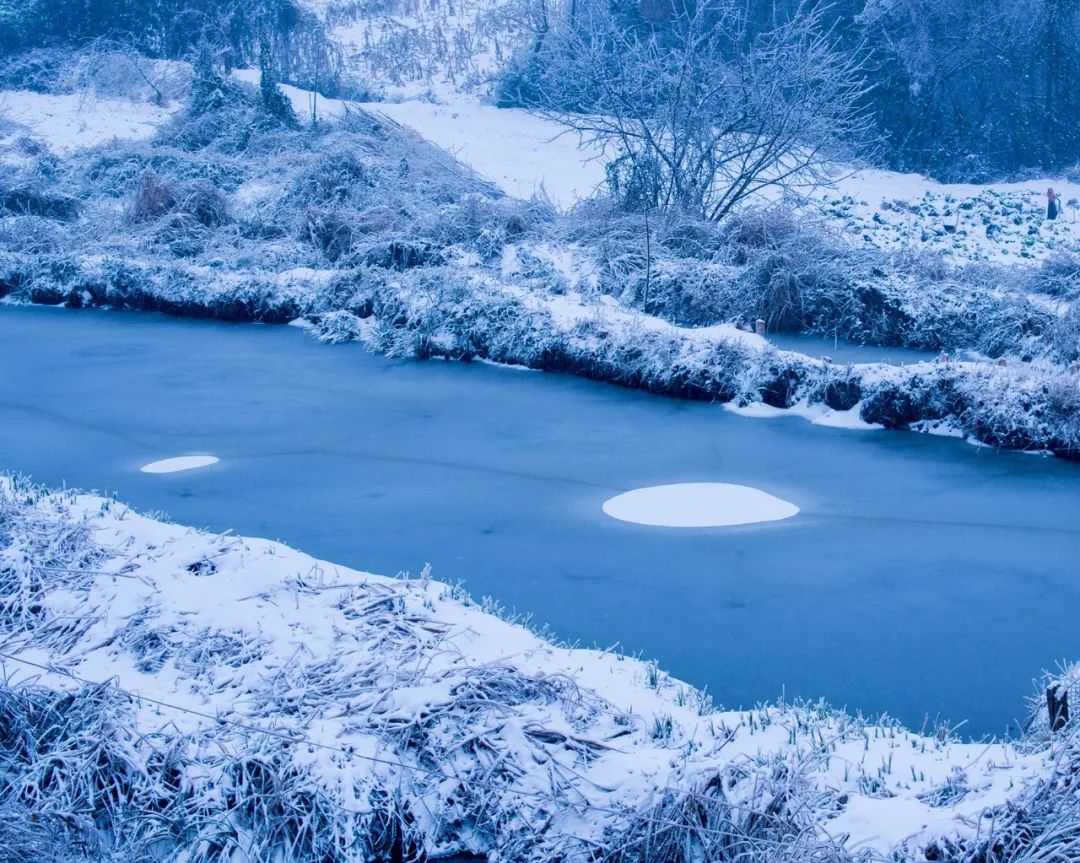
759	327
1057	706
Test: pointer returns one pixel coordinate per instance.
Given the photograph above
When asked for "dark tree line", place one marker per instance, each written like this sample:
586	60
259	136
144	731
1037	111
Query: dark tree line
240	31
960	89
972	90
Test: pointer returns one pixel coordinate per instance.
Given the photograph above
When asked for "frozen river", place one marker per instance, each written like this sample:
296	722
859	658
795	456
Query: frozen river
921	576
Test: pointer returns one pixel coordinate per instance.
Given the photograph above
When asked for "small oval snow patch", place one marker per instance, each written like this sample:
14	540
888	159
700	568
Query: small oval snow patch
184	462
698	504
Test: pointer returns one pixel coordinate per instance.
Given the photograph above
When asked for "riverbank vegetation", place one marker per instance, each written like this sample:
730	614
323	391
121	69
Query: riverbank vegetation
168	691
238	209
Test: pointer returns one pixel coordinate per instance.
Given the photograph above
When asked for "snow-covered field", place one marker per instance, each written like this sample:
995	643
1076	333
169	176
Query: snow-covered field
68	122
1005	223
357	685
521	153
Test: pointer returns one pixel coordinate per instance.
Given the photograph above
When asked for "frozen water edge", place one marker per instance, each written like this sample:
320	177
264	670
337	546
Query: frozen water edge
818	414
699	504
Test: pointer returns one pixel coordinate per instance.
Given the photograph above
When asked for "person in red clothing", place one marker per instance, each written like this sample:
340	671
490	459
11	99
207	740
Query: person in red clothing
1051	205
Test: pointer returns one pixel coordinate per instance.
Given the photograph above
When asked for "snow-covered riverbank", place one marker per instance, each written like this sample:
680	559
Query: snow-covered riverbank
365	230
250	696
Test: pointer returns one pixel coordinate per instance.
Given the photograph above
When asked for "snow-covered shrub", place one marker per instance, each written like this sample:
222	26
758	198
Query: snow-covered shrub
151	200
1065	334
336	175
181	234
1058	275
330	230
337	327
687	291
839	391
182	213
111	69
38	69
479	223
966	314
203	201
31	199
221	114
901	401
1024	408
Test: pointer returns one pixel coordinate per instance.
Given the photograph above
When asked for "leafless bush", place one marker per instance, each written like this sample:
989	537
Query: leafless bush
202	200
691	118
152	198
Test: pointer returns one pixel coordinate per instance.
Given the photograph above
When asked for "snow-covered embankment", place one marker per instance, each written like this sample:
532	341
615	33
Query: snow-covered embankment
249	696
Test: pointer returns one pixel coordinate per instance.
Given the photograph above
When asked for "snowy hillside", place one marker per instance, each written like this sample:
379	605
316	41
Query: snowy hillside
397	704
526	155
409	48
363	228
435	62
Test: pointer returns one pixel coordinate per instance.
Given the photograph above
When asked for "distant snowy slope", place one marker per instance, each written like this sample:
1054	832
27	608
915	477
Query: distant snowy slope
1001	222
69	122
520	152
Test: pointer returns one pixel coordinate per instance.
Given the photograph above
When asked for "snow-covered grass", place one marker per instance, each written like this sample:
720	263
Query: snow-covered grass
246	696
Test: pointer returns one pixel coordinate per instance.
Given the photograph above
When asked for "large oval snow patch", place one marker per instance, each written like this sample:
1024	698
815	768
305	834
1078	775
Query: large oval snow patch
184	462
698	504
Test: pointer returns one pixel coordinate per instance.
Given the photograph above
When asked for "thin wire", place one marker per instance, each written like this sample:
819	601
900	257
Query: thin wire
416	768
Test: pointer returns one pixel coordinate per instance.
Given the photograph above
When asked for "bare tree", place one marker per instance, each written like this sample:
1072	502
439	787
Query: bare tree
693	114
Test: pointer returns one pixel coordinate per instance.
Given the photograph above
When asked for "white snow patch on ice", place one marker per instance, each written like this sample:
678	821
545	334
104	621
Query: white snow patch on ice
184	462
698	504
